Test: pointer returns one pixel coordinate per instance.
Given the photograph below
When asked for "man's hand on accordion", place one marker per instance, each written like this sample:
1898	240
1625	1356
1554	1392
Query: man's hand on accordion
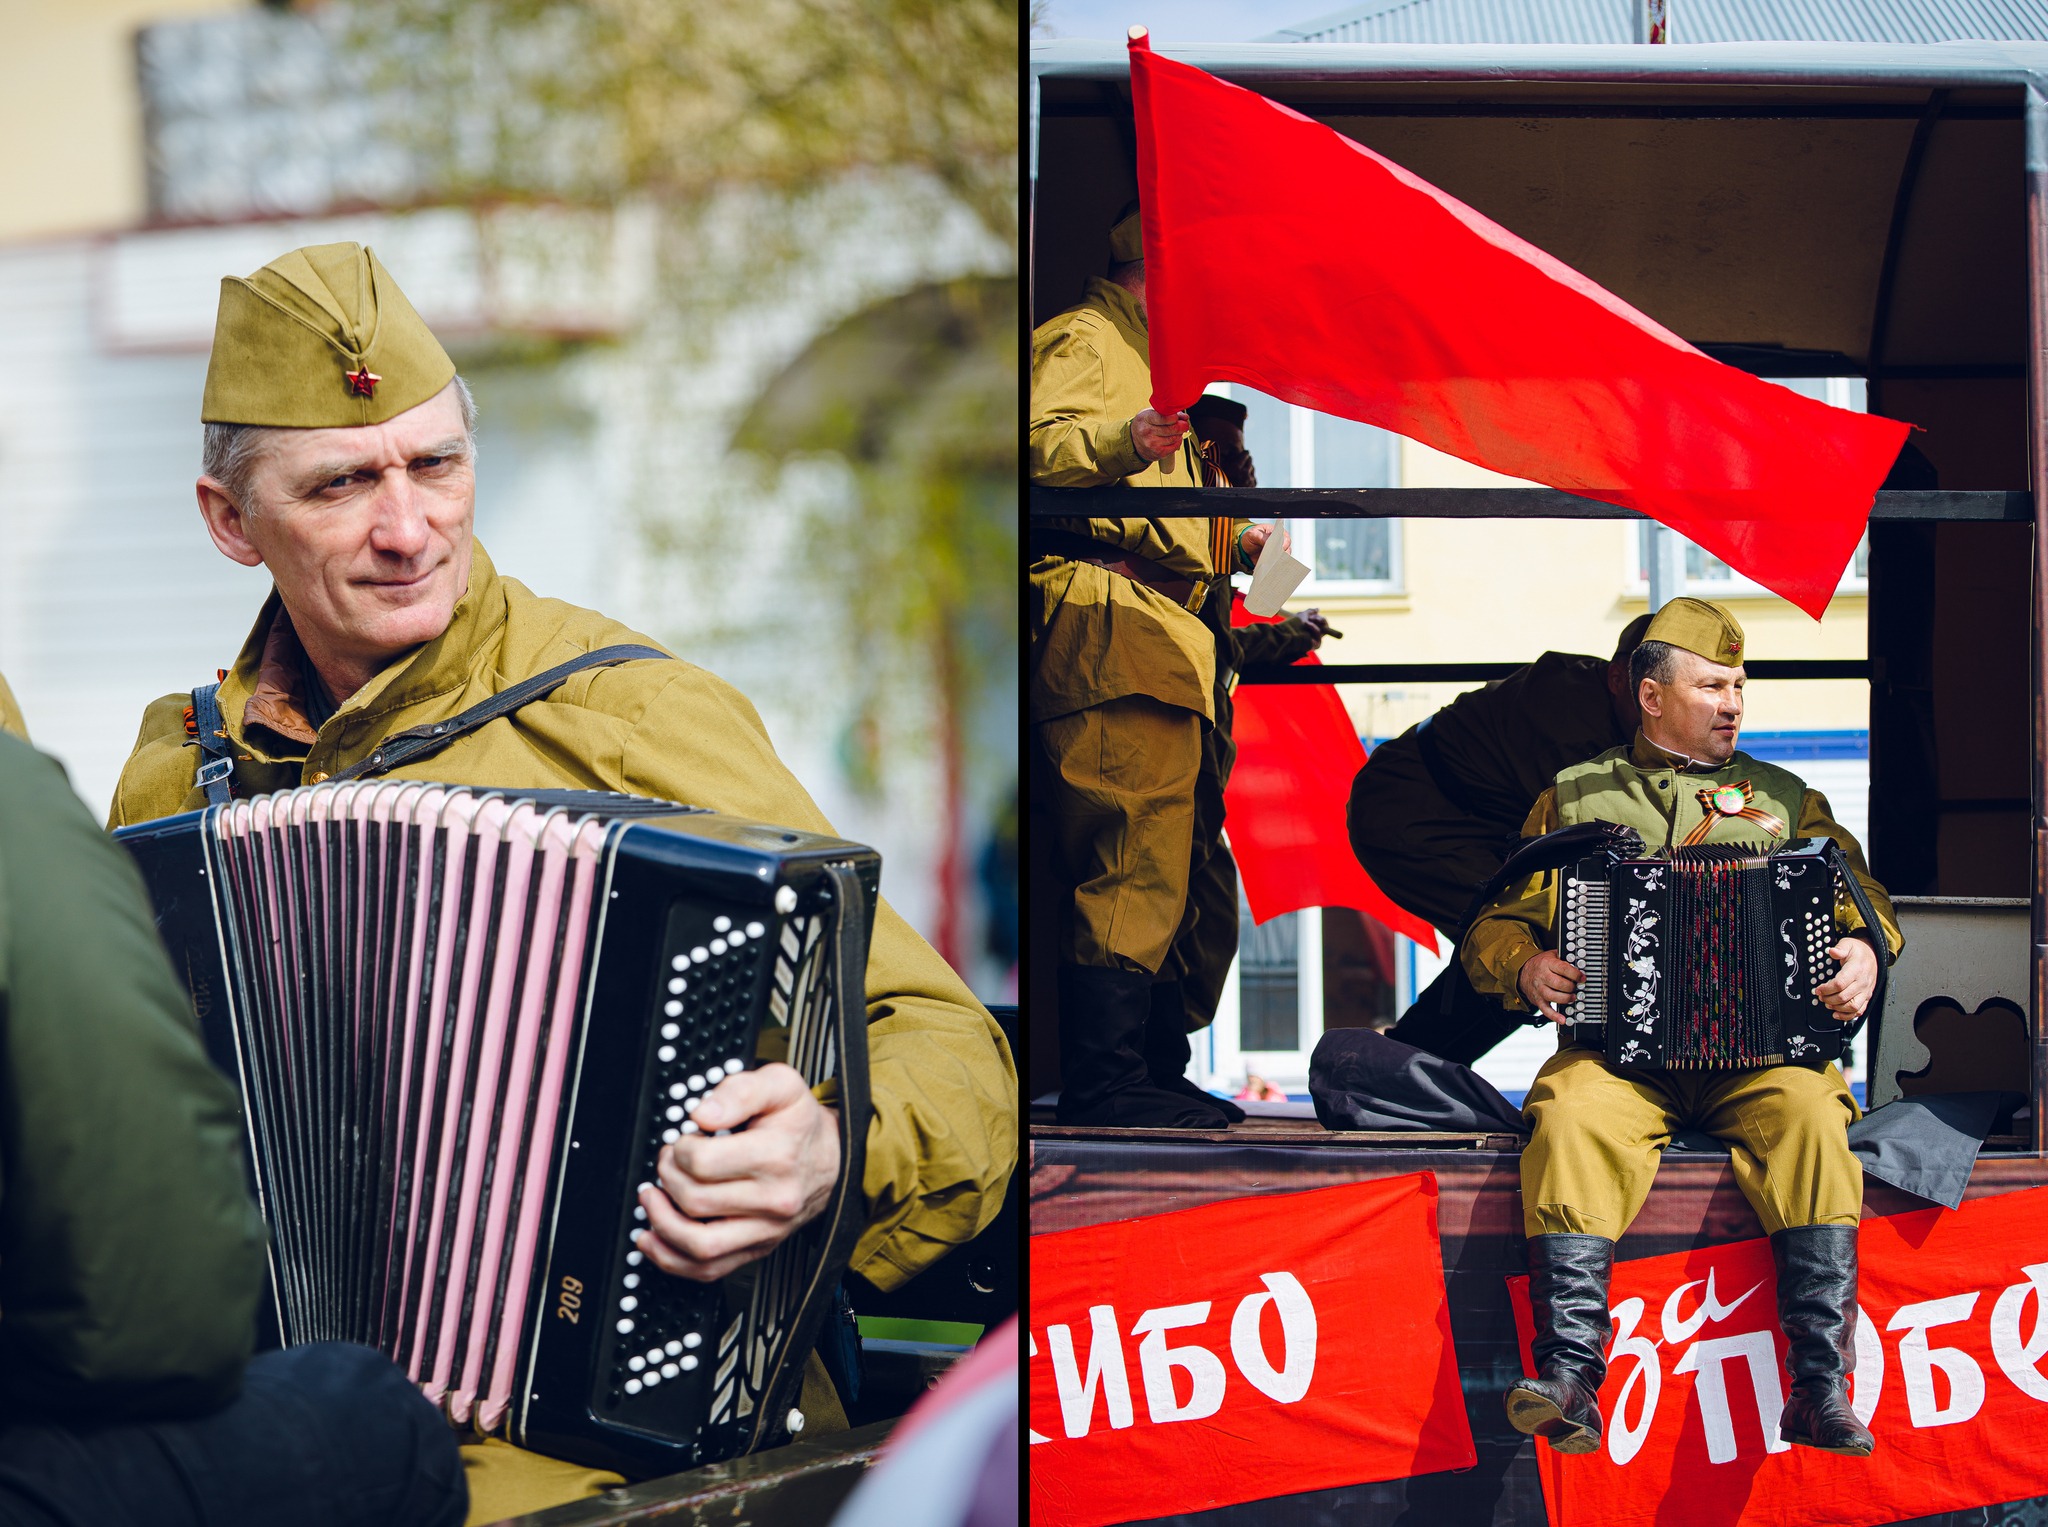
1547	980
727	1200
1849	992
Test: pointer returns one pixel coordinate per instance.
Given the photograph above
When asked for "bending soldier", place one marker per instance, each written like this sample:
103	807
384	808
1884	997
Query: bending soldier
1597	1127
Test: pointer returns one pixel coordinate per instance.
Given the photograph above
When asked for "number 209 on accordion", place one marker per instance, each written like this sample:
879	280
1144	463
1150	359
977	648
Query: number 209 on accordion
464	1023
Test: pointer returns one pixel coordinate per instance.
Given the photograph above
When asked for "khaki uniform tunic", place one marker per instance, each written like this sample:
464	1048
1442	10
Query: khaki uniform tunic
1122	677
1597	1128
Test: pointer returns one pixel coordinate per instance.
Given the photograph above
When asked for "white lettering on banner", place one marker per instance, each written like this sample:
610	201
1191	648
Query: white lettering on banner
1036	1435
1677	1330
1867	1382
1156	1361
1105	1365
1917	1362
2019	1358
1297	1338
1625	1441
1706	1358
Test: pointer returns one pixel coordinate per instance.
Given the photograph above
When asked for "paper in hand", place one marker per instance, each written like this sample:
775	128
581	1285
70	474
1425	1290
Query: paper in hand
1274	577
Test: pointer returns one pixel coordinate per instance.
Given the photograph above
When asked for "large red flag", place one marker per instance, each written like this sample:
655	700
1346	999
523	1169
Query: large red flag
1297	754
1281	254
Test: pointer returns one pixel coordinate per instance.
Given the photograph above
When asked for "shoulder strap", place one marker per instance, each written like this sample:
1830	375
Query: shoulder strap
216	753
416	742
1874	1009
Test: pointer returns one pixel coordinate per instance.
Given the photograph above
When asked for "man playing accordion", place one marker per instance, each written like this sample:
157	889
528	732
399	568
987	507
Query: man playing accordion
1597	1127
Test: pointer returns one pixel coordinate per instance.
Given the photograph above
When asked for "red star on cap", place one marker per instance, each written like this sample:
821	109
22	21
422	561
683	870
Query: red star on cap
363	384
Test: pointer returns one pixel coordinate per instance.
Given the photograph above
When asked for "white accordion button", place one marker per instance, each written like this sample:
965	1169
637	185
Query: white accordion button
714	1072
696	1084
755	930
689	1105
654	1355
629	1303
636	1362
633	1259
677	1090
653	1378
693	1340
689	1128
632	1280
668	1137
673	1009
736	938
639	1212
625	1326
796	1421
672	1348
680	962
734	1068
632	1386
670	1030
785	899
687	1364
718	946
676	985
720	924
700	954
675	1113
668	1370
666	1054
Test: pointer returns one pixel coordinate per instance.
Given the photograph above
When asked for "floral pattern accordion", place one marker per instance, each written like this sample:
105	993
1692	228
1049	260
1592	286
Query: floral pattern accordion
1706	958
463	1024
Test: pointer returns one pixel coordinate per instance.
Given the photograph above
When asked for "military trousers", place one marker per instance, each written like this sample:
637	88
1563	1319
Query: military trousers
1597	1130
1121	778
1205	944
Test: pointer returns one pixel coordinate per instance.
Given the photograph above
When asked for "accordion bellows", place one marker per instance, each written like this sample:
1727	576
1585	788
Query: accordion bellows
464	1023
1705	958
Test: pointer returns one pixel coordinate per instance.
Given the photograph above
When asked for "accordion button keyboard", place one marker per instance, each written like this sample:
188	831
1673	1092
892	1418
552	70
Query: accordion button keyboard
693	1340
673	1009
718	946
720	924
625	1327
665	1054
629	1303
632	1386
670	1030
688	1363
755	930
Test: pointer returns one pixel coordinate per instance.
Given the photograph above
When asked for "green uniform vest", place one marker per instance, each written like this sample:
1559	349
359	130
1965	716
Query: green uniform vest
1664	804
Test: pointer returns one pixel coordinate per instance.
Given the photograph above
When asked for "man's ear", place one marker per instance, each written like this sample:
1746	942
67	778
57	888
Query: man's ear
226	523
1617	679
1646	698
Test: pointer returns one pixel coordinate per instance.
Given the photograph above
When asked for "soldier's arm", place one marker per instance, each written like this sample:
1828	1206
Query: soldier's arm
158	779
1817	820
1074	441
1516	923
1281	642
943	1140
130	1254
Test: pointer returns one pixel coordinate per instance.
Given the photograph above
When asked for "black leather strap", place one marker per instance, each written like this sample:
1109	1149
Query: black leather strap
216	752
416	742
1883	946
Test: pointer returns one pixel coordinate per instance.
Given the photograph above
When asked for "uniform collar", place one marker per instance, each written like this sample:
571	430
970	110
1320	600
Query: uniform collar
1645	754
263	697
1122	307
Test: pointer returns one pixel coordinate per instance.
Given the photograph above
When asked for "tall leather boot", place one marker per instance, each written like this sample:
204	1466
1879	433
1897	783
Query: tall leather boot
1817	1308
1167	1052
1568	1297
1103	1080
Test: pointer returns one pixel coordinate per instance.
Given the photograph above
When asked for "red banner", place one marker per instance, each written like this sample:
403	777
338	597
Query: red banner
1239	1351
1954	1323
1297	754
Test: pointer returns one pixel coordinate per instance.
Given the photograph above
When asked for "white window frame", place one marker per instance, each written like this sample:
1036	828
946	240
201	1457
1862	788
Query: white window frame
1301	452
1219	1062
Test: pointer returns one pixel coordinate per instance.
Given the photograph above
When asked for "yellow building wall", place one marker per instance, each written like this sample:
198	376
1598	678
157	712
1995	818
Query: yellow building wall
1508	590
71	114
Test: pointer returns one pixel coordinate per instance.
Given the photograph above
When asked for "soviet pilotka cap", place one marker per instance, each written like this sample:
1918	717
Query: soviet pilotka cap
1127	236
320	338
1701	626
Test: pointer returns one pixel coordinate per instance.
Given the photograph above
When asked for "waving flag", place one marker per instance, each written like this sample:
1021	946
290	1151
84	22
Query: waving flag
1283	255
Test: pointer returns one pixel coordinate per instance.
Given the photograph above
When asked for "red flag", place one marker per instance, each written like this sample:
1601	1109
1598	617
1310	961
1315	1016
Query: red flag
1246	1349
1297	755
1281	254
1949	1344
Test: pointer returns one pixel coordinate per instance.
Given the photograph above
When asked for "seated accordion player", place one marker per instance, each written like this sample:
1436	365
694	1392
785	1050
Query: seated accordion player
464	1023
1699	958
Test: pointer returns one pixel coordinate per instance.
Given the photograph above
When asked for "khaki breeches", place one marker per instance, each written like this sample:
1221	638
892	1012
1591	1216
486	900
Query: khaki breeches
1205	944
1597	1130
1122	778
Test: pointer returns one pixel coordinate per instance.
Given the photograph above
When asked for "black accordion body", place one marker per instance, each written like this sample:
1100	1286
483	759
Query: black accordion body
464	1023
1706	958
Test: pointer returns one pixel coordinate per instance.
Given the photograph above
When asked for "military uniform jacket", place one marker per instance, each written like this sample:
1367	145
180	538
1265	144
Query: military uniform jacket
1657	794
944	1137
131	1256
1095	635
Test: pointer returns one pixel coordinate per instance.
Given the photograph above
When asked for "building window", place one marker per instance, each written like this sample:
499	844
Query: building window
1268	981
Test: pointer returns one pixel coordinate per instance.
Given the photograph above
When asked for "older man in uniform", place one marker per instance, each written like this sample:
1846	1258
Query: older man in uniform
1122	689
1434	810
1597	1127
339	455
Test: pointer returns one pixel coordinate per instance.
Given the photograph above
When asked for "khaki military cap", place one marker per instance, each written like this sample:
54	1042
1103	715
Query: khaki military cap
1698	625
1126	237
320	338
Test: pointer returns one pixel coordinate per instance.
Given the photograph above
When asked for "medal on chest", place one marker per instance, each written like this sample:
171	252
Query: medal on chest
1722	802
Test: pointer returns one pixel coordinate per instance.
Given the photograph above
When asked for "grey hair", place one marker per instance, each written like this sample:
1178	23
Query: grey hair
231	453
1653	660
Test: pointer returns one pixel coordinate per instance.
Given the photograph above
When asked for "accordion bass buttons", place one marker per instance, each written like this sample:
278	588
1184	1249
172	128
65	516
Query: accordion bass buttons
785	899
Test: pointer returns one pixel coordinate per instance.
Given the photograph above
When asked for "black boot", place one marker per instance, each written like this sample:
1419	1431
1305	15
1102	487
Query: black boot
1167	1052
1568	1297
1102	1055
1817	1308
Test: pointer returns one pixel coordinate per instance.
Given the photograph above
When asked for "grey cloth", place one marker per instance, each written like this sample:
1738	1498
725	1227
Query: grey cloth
1360	1079
1928	1144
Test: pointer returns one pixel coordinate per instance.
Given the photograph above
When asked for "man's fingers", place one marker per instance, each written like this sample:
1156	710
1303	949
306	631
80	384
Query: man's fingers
740	1098
684	1246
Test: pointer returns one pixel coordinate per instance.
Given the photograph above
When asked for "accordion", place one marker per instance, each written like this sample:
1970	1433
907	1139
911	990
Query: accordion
1706	958
464	1023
